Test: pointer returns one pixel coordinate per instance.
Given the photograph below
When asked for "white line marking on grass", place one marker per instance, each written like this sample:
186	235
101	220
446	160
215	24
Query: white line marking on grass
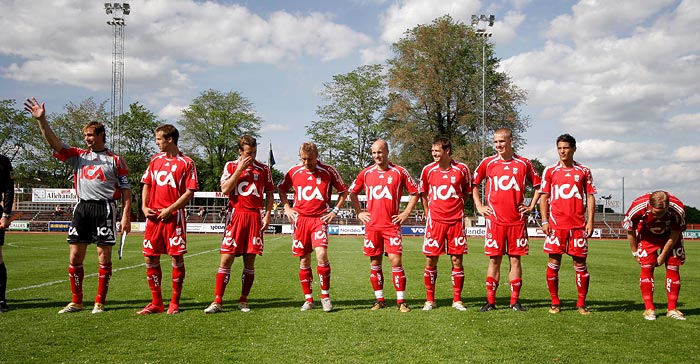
95	274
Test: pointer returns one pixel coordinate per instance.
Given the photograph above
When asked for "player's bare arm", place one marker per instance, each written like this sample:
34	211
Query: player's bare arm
38	111
480	207
289	212
145	199
632	240
269	200
334	212
531	207
126	213
228	185
590	214
363	216
675	235
544	212
400	218
167	212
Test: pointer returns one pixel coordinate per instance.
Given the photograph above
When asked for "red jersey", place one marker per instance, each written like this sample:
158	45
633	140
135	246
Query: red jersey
384	190
447	190
96	175
567	189
505	186
169	178
312	189
639	217
249	193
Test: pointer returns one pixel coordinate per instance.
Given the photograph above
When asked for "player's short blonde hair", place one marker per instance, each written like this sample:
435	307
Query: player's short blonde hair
310	148
658	199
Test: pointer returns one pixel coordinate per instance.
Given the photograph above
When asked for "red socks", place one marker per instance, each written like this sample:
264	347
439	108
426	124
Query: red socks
429	278
324	277
553	282
582	279
75	276
155	278
103	277
223	276
457	284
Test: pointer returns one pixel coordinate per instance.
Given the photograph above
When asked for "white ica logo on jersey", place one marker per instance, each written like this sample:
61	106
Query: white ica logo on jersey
257	241
176	241
566	191
320	235
147	244
430	242
296	244
164	178
444	192
505	183
378	193
579	243
460	241
252	190
309	193
369	244
104	231
395	241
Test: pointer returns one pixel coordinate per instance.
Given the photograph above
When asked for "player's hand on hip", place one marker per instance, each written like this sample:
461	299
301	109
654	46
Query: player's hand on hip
364	217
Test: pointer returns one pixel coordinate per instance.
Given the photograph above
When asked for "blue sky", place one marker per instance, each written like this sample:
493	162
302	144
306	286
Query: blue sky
623	77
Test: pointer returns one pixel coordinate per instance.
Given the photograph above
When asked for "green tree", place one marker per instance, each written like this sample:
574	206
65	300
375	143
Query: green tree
211	126
14	129
137	145
435	81
352	120
692	215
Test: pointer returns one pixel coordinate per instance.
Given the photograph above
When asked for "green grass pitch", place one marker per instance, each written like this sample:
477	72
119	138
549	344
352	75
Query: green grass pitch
275	331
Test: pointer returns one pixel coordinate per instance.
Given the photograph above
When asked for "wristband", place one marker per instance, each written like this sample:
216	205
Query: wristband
544	222
335	210
7	216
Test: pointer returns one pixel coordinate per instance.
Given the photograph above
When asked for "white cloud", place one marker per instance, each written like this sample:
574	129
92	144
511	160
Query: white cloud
378	54
684	123
267	128
171	111
690	153
406	14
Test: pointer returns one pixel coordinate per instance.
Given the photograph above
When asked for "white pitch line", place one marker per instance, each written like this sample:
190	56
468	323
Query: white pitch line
95	274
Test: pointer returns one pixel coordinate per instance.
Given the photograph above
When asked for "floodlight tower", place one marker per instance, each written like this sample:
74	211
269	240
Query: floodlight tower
480	23
118	11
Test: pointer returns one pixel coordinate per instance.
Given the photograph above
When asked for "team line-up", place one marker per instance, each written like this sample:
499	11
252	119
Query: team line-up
565	195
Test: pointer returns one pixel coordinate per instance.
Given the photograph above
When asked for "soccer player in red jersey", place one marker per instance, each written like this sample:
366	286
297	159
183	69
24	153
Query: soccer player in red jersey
248	184
100	177
169	184
655	223
568	207
312	182
505	174
384	183
444	187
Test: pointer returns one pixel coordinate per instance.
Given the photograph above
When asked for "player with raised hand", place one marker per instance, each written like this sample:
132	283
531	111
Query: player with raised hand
445	185
567	205
312	182
100	177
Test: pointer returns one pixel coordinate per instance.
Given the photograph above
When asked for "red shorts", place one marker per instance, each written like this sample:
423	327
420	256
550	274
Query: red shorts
505	239
562	241
165	237
648	251
441	238
242	234
385	241
309	233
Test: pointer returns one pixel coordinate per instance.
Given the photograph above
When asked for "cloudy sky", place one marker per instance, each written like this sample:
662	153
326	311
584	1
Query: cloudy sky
622	76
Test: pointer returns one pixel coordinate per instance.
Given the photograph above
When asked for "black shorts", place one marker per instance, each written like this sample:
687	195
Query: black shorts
93	222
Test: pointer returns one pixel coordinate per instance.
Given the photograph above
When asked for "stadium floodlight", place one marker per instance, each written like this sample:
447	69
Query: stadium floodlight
475	19
482	33
117	12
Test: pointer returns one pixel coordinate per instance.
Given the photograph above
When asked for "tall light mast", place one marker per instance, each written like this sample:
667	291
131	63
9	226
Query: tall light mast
118	11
